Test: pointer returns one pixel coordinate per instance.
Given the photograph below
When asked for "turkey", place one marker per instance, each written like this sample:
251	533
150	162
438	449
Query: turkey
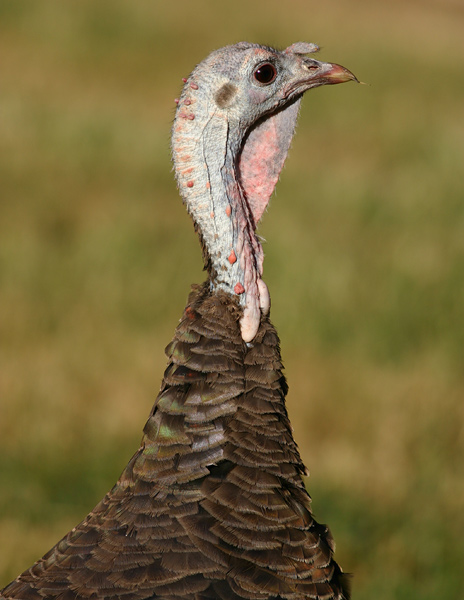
212	505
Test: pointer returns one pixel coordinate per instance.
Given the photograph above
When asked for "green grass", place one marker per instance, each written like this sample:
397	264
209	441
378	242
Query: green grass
364	261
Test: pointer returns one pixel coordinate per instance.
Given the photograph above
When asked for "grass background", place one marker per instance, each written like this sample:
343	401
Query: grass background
365	263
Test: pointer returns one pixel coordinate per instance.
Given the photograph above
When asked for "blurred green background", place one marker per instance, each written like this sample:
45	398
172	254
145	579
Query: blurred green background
364	260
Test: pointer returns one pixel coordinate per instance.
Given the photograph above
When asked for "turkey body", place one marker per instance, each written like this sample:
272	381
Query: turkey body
212	505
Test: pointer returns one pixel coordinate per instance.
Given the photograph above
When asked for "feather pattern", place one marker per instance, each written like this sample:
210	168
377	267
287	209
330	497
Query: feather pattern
212	504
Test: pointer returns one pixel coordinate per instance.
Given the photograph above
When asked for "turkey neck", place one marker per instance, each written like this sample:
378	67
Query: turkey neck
205	147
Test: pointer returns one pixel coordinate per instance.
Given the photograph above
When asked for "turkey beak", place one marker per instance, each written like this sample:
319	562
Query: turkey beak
318	73
334	73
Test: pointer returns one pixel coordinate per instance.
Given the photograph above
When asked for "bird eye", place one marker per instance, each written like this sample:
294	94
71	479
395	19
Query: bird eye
265	73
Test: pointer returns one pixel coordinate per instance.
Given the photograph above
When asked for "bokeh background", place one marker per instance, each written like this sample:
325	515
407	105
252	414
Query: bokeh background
364	260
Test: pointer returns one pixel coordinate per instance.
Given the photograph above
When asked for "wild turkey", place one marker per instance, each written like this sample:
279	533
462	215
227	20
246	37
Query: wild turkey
212	504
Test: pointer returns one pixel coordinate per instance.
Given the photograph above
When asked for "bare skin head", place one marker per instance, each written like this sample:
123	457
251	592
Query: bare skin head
234	124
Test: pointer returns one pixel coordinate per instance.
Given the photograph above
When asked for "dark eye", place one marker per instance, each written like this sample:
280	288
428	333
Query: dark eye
265	73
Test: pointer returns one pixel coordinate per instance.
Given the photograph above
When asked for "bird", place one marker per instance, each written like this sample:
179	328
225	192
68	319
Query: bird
213	503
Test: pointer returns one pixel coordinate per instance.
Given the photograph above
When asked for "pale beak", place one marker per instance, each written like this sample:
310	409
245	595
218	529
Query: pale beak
337	74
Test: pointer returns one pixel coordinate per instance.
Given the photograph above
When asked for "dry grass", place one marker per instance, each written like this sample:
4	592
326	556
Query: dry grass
365	264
